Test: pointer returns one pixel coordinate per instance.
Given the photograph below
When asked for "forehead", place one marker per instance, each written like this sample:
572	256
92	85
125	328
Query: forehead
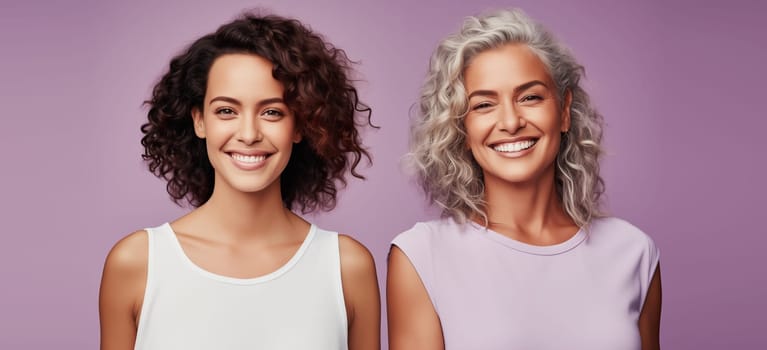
506	66
241	76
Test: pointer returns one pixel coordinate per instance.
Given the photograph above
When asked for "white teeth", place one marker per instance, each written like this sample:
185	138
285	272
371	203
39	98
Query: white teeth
514	146
248	159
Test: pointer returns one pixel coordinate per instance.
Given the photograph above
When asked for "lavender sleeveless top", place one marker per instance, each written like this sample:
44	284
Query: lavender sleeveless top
492	292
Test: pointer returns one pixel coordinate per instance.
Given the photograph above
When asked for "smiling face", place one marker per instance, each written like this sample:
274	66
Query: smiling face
248	130
514	122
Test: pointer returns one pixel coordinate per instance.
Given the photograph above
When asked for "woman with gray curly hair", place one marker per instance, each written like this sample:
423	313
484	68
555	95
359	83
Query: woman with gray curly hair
507	144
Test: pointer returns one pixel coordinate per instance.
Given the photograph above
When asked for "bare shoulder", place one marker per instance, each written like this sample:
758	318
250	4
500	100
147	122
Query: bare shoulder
129	254
358	270
412	318
361	294
125	269
355	257
121	292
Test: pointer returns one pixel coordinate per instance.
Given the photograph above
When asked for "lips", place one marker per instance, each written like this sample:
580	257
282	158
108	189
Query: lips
250	160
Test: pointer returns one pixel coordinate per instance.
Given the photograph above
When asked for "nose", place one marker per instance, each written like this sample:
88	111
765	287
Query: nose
510	118
249	131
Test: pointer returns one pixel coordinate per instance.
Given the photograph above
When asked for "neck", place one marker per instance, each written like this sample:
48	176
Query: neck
530	211
249	215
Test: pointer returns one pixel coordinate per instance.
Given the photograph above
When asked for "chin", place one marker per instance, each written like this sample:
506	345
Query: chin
256	187
516	176
516	179
249	184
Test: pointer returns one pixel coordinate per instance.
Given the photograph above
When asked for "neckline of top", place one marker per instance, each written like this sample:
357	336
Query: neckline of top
242	281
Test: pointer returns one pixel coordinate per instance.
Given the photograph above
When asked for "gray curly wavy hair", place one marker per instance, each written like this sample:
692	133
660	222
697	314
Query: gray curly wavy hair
438	154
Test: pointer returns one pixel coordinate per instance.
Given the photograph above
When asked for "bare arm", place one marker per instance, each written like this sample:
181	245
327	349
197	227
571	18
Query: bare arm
122	291
361	294
413	322
649	319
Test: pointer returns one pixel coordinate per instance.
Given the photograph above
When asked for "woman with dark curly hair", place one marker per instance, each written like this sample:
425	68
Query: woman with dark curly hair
507	143
249	122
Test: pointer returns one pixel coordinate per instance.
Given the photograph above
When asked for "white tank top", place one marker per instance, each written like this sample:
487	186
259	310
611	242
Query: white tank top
298	306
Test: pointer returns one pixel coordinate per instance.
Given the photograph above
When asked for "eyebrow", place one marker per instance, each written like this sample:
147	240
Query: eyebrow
238	103
517	89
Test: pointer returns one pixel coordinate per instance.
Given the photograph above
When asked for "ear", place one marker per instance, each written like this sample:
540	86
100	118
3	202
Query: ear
199	123
297	137
566	111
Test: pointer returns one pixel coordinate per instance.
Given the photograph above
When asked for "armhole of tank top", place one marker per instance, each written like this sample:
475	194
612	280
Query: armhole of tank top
654	262
151	237
340	283
423	276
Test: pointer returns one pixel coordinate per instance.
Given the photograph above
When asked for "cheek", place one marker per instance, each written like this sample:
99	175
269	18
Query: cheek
215	137
289	133
554	117
477	135
282	133
473	128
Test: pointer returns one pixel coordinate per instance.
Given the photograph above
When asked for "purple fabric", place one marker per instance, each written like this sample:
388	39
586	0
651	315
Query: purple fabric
492	292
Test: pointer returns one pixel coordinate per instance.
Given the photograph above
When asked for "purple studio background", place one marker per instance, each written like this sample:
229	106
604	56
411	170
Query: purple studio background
681	86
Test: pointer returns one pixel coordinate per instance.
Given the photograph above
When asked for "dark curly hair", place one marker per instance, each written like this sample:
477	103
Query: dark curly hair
318	90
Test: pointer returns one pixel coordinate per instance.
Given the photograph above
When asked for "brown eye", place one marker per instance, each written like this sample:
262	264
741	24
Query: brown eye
481	106
529	98
224	111
273	114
